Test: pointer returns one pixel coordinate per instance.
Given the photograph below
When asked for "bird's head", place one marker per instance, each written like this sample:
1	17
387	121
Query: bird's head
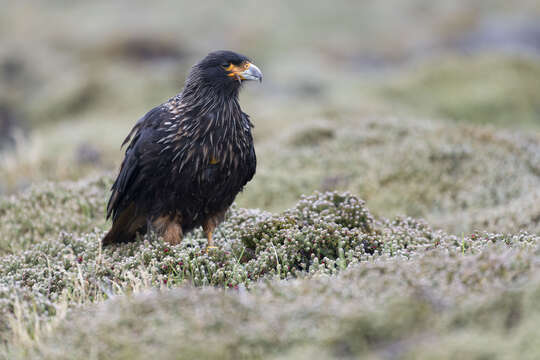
224	70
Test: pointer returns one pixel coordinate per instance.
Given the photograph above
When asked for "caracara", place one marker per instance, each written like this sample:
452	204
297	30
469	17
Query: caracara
187	158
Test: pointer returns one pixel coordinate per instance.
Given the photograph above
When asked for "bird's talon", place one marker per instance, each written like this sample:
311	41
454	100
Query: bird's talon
208	248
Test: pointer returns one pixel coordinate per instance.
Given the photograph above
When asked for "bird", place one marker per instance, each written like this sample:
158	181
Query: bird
188	157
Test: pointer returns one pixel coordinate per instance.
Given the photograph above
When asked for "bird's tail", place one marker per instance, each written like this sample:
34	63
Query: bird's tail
125	227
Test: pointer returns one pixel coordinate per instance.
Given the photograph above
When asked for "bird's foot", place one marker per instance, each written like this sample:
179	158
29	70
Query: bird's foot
210	247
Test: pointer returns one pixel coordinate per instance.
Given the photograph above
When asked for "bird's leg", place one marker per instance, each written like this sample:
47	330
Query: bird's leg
173	234
209	225
210	240
170	228
208	228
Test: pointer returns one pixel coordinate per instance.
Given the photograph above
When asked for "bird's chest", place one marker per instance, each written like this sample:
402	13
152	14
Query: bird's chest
224	165
213	158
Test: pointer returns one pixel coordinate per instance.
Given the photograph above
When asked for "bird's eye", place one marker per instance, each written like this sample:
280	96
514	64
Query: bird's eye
225	64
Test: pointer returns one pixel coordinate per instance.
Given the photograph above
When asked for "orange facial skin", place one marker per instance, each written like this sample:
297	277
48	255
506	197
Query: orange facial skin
236	70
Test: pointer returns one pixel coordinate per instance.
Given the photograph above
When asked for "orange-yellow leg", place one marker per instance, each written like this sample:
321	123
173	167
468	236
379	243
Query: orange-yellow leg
209	225
210	241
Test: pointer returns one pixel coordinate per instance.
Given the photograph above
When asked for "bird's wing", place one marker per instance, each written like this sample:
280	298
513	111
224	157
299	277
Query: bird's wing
142	143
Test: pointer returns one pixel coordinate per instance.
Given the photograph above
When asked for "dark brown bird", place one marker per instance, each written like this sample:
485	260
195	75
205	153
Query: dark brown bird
187	158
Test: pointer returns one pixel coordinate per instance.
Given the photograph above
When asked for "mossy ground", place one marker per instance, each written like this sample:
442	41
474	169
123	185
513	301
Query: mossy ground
394	213
324	277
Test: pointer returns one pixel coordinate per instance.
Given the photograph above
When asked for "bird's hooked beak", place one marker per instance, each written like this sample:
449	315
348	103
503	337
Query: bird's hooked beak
252	73
246	71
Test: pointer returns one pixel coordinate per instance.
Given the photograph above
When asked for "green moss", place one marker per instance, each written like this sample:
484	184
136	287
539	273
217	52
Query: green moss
415	308
485	90
47	210
326	241
460	178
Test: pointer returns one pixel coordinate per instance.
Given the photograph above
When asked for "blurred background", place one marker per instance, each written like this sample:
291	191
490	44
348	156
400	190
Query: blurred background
424	108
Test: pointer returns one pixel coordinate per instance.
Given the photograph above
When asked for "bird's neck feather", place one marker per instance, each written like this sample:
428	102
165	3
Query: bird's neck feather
201	99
